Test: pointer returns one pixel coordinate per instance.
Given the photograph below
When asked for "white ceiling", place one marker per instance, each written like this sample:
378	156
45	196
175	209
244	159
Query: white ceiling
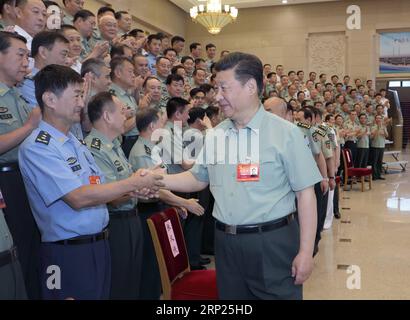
187	4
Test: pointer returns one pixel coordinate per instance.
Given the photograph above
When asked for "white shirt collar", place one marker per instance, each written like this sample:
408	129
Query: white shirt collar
24	33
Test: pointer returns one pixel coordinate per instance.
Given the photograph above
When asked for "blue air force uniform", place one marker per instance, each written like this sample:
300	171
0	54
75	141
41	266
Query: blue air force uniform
53	165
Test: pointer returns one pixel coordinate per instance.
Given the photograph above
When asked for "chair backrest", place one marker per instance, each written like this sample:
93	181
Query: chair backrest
170	248
347	157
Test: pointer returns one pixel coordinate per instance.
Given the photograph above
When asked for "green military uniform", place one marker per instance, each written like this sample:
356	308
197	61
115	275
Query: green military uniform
174	141
345	115
141	157
351	138
129	102
247	264
378	143
370	119
164	94
86	48
363	147
326	144
125	239
13	114
311	136
339	136
269	88
11	277
68	18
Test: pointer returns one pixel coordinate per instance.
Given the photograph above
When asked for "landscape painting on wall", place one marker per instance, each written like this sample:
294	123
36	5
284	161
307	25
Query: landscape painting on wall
394	52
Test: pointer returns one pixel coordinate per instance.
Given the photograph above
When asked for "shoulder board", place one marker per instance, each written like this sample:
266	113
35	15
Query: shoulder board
96	143
303	125
320	132
322	127
147	150
43	137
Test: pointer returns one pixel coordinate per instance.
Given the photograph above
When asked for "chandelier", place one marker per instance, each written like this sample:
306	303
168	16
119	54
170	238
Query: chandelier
213	16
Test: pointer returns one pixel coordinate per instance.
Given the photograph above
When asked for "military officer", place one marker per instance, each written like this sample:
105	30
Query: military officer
16	123
255	214
363	142
106	113
123	82
144	154
352	130
67	192
378	142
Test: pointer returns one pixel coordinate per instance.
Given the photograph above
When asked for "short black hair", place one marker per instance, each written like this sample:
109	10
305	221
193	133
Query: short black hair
46	39
193	46
118	15
299	72
176	104
246	66
56	79
48	3
155	36
212	111
134	32
92	65
174	78
206	87
97	104
175	39
5	39
4	2
168	50
148	79
116	63
175	69
83	14
145	117
196	113
307	113
209	46
199	60
118	51
195	91
105	9
270	74
158	59
196	71
65	27
185	58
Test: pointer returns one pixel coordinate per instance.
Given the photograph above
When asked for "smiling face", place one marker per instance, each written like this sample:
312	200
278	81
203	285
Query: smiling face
74	38
31	16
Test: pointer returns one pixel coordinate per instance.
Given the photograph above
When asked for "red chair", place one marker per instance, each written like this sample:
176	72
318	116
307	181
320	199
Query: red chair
178	281
350	171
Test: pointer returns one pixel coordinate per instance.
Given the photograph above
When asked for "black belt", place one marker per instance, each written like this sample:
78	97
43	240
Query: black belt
85	239
142	206
255	228
8	167
123	214
8	257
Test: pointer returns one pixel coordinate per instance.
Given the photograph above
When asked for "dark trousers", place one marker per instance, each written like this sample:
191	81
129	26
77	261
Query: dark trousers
321	204
85	271
257	265
336	199
150	286
207	200
23	229
353	148
11	282
127	144
126	246
377	161
362	157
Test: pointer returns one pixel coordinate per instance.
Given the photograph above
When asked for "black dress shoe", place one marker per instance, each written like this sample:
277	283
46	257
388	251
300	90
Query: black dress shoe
315	251
204	261
381	178
337	215
197	267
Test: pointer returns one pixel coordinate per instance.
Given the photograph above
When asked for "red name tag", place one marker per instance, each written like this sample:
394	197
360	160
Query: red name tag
2	202
247	172
95	180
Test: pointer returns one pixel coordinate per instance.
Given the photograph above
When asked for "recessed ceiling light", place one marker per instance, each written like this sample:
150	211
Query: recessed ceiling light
284	1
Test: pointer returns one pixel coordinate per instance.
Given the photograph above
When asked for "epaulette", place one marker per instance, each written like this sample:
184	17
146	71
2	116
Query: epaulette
43	137
321	132
96	143
147	150
304	125
322	127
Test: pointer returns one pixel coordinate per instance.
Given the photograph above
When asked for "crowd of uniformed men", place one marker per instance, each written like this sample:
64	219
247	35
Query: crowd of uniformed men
79	107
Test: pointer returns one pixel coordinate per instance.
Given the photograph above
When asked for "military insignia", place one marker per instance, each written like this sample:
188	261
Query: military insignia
117	163
303	125
71	161
315	137
6	116
320	132
322	127
3	109
43	137
82	142
328	146
96	144
147	150
76	168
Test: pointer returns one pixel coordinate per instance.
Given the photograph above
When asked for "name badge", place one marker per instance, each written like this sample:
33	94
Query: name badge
247	172
95	180
2	202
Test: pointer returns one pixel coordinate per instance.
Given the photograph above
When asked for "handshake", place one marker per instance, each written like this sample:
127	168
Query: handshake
147	183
